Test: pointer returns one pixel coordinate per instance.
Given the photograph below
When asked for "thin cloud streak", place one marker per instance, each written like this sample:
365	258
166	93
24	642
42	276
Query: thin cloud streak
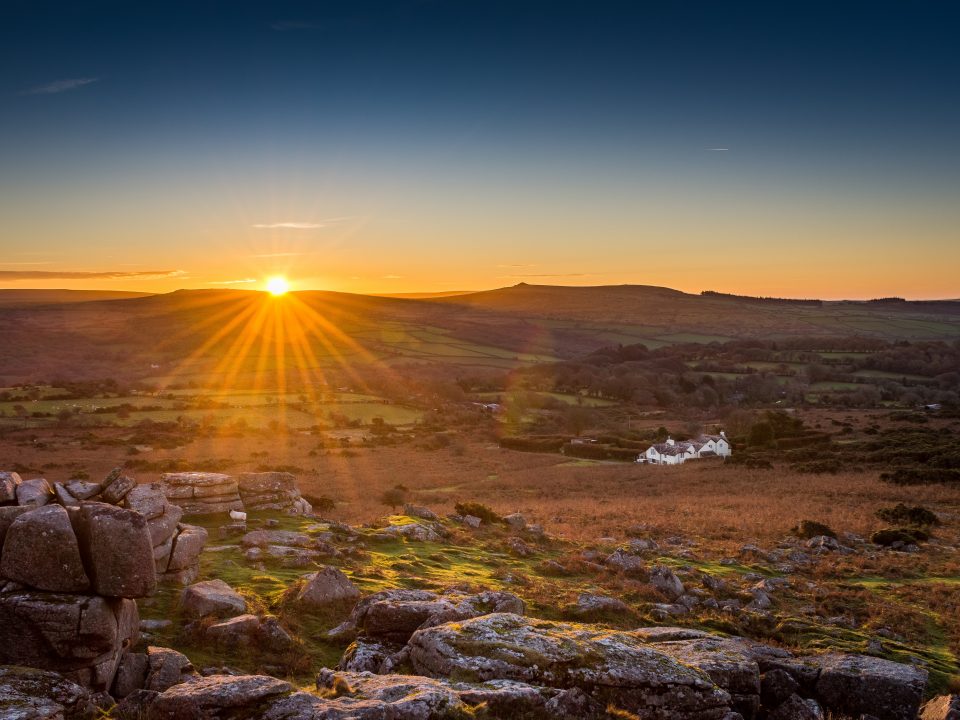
9	275
232	282
549	275
288	226
59	86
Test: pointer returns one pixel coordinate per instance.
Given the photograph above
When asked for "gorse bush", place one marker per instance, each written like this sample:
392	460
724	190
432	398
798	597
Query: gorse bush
807	529
904	515
478	510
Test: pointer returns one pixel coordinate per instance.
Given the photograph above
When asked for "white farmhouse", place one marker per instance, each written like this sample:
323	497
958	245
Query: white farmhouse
669	453
672	452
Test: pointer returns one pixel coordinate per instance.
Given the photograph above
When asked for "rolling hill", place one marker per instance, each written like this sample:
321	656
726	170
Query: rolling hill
195	333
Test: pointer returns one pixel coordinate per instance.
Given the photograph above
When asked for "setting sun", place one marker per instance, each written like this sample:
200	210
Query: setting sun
277	286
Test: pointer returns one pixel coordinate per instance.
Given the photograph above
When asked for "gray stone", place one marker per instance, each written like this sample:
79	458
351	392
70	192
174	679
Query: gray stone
116	549
63	496
83	489
80	636
239	631
855	684
472	521
31	694
131	674
167	668
797	708
164	527
328	586
589	605
262	538
515	522
666	581
212	597
217	696
623	561
40	550
8	514
417	511
148	500
8	486
613	667
34	493
117	489
187	546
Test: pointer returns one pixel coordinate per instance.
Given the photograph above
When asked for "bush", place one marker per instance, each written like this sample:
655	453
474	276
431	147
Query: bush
811	528
320	503
819	467
903	515
533	444
889	536
751	462
922	476
478	510
597	451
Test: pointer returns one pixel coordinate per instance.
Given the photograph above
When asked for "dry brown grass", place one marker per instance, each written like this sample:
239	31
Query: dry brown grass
579	500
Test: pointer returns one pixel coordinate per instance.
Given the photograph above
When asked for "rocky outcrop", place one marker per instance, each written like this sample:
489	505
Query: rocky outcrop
202	493
860	684
30	694
211	597
394	615
81	636
41	550
272	491
116	550
250	631
217	696
613	668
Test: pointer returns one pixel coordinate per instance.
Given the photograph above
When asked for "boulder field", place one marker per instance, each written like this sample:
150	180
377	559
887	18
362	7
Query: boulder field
72	567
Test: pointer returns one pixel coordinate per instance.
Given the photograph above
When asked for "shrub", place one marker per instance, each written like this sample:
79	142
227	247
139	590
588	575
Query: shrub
819	467
889	536
533	444
478	510
750	462
904	515
811	528
922	476
320	503
394	497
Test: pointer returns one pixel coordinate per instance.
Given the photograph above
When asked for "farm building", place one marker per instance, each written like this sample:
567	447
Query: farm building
672	452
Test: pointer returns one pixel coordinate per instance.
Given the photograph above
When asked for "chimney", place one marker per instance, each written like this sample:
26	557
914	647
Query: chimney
723	435
670	441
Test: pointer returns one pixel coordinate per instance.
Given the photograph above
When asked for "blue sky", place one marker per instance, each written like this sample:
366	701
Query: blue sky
783	148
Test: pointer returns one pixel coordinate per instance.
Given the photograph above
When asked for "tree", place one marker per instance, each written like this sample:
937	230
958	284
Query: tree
394	497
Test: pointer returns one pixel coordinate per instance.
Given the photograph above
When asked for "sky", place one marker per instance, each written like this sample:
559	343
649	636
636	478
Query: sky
801	149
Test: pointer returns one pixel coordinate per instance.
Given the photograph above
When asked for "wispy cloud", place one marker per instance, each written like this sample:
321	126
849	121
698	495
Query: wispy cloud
242	281
718	149
549	275
392	277
7	275
516	265
277	254
289	226
59	86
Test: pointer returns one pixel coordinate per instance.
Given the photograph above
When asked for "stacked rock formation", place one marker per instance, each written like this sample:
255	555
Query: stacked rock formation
272	491
69	576
176	546
202	493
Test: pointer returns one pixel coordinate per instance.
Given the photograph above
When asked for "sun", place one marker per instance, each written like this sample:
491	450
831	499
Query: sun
277	286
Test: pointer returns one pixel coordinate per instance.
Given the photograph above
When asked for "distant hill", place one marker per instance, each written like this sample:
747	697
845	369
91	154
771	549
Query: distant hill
57	297
236	333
